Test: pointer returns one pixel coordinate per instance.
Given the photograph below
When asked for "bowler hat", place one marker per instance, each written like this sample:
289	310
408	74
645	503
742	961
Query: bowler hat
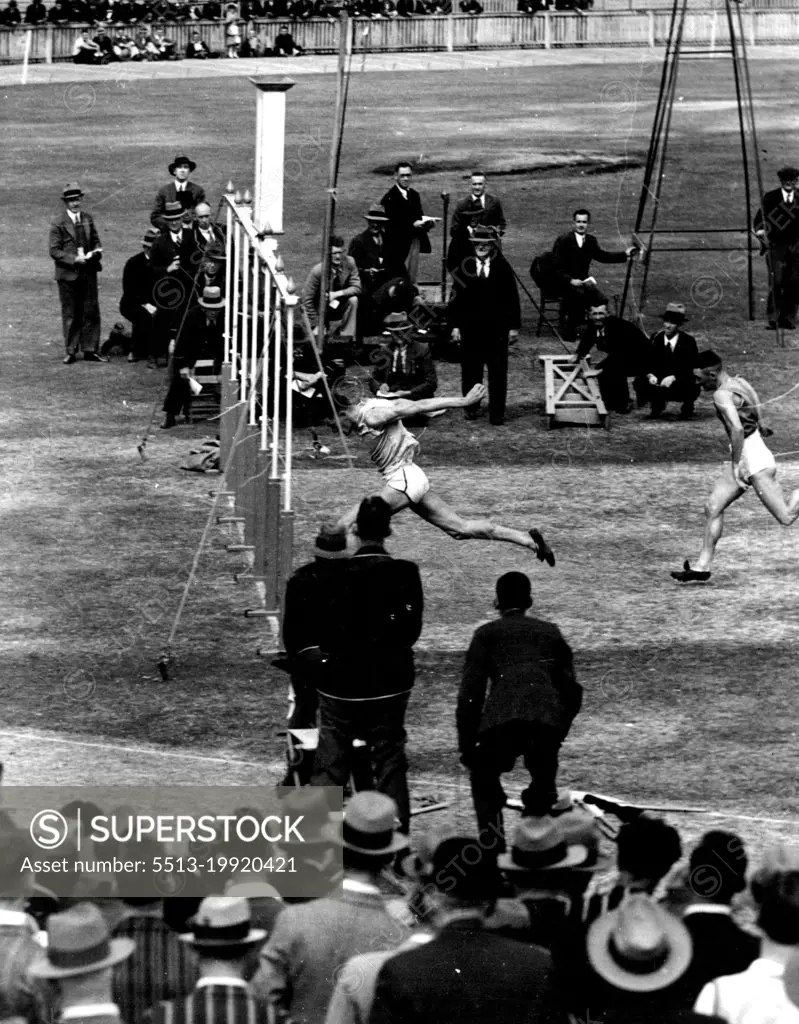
397	322
222	922
674	313
150	236
369	825
79	942
181	159
72	191
788	173
538	845
639	947
172	211
212	298
376	213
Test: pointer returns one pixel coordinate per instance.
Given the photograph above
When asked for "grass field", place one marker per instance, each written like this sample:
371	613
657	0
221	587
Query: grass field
690	694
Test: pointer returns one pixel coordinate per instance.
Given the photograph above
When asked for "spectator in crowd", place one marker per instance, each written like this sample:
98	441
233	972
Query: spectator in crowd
518	698
212	10
20	996
174	265
164	49
368	251
373	626
222	939
285	45
403	368
201	337
253	44
716	875
668	374
232	30
407	231
626	350
197	48
471	7
105	45
206	233
76	251
161	966
757	994
79	959
60	13
574	253
311	942
10	16
646	850
211	273
465	972
486	316
343	291
35	13
776	224
138	301
181	190
85	50
479	207
639	952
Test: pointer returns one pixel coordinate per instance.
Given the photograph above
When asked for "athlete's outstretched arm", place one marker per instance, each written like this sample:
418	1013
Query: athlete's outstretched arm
401	407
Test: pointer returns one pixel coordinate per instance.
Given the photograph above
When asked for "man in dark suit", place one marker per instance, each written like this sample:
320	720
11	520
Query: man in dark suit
75	248
465	973
368	249
407	230
518	697
777	226
669	372
404	367
574	253
486	317
206	233
180	190
223	940
477	208
173	257
626	350
201	337
364	694
137	303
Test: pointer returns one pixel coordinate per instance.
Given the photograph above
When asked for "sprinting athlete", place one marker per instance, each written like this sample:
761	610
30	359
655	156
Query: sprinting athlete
405	485
751	462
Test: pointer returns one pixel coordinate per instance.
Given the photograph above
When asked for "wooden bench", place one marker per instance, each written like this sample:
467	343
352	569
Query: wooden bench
571	396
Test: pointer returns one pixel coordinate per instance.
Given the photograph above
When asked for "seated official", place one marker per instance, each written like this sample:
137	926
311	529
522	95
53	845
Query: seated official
368	251
311	402
343	291
403	367
85	50
626	350
201	337
669	373
138	304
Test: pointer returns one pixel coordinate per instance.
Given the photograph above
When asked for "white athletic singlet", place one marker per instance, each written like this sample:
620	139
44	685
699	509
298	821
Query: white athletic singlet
749	409
394	446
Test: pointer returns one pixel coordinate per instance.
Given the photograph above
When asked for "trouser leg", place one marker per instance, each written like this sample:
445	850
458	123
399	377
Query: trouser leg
497	360
541	760
336	733
384	731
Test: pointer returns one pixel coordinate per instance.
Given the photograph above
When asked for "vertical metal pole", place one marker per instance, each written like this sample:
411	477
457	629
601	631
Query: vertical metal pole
234	313
288	444
228	268
256	320
265	367
744	157
244	381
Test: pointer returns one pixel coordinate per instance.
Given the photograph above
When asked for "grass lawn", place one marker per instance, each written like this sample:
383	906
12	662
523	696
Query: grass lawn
689	693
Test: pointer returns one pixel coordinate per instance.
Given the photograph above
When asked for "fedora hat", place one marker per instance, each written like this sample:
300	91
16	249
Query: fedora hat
215	252
79	942
577	826
369	824
675	312
181	159
222	922
483	233
72	191
150	236
172	211
397	322
212	298
538	845
418	863
376	213
639	947
788	173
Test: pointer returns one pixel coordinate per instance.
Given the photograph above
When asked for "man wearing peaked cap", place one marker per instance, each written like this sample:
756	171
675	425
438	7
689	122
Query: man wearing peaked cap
403	367
311	942
222	939
466	972
181	190
776	224
75	248
668	373
138	302
201	337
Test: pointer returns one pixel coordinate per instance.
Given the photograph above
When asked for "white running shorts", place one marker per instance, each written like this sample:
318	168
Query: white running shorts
409	480
755	458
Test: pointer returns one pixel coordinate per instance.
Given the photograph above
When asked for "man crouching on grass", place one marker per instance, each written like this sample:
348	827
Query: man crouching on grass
405	485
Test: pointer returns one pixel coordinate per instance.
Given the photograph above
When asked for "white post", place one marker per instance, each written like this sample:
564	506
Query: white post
270	140
229	192
713	28
289	402
26	56
651	29
256	278
547	31
450	31
244	381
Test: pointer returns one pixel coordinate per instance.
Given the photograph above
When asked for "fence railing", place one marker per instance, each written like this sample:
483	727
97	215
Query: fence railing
452	32
256	403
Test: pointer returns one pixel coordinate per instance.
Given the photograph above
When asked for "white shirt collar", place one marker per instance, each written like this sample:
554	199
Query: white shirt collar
708	908
180	186
672	341
231	982
95	1010
15	918
580	240
766	967
74	217
403	191
354	885
787	196
479	199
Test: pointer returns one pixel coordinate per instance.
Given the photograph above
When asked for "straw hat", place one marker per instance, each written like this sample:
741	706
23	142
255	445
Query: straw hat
79	942
222	922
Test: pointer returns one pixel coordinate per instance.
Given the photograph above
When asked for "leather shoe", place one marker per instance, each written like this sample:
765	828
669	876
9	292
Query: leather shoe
498	422
68	360
170	421
94	357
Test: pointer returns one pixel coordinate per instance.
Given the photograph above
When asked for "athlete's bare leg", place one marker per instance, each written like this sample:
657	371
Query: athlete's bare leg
726	491
437	512
770	493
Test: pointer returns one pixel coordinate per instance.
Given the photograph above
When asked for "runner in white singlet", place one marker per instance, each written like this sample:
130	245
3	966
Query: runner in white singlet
751	463
405	485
